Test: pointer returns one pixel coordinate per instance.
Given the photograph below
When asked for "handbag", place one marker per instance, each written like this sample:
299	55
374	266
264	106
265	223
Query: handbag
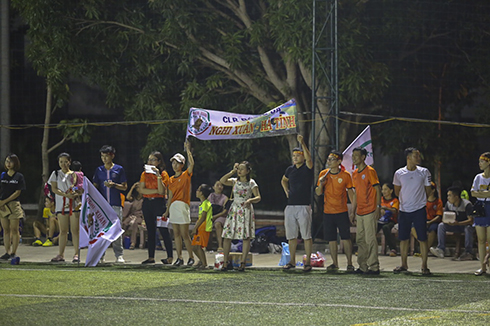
479	207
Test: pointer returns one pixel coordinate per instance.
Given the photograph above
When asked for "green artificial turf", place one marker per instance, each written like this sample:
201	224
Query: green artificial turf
63	295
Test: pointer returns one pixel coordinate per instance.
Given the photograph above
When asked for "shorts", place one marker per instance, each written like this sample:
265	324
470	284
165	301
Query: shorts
202	237
333	221
221	220
179	213
16	211
432	227
417	220
297	218
481	221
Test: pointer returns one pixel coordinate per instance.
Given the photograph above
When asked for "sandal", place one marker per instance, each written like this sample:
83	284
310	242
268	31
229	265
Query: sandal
289	266
307	268
167	261
242	267
426	271
58	259
400	269
75	259
227	266
480	272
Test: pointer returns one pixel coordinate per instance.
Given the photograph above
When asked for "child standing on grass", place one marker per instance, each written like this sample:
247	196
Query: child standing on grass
179	198
204	225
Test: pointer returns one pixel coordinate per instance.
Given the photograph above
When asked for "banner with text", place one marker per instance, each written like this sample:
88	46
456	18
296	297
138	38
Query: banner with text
363	141
210	125
99	224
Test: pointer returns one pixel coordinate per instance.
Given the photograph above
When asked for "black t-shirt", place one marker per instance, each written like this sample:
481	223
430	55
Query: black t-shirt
10	184
300	183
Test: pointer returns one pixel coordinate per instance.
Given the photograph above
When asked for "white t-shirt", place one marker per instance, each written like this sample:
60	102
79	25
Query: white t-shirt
64	182
412	194
480	183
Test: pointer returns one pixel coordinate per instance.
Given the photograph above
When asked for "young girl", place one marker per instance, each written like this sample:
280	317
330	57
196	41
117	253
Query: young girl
61	182
480	190
389	203
12	184
133	215
153	186
179	197
240	222
218	200
204	225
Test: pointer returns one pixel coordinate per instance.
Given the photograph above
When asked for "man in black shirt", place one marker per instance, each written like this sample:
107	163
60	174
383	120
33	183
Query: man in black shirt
297	184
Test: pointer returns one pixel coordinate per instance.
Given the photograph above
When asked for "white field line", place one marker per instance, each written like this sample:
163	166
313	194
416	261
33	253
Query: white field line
285	304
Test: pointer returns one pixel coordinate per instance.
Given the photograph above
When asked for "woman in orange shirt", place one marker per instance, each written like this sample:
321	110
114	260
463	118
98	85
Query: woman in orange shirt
152	187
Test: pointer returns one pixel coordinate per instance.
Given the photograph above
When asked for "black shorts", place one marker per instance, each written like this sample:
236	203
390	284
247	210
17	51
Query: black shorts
333	221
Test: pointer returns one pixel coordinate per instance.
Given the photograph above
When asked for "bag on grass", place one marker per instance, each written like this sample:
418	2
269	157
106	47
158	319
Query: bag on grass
317	259
260	245
219	261
286	255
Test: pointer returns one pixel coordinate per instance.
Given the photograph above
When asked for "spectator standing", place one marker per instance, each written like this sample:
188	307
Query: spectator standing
297	182
335	183
11	186
463	224
367	207
412	186
480	190
204	225
111	181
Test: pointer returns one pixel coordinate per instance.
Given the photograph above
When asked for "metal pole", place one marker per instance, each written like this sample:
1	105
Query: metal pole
4	79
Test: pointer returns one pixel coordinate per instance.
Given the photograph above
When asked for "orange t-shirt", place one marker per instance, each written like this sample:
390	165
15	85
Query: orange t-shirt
392	203
334	191
181	187
151	180
434	208
364	182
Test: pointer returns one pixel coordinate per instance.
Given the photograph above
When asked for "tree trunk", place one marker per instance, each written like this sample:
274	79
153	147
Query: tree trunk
44	147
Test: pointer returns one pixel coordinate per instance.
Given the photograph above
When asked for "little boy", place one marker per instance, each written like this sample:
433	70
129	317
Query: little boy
204	225
49	226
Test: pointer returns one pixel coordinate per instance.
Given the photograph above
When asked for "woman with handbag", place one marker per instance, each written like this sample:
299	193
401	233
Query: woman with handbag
480	187
12	184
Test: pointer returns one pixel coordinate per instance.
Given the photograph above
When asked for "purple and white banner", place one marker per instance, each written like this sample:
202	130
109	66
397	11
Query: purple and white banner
99	224
211	125
364	141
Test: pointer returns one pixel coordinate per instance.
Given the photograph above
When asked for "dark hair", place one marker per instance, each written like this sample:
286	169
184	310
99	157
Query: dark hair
249	168
161	166
337	153
76	166
455	190
360	149
392	187
434	186
64	155
107	149
14	159
206	190
409	151
297	149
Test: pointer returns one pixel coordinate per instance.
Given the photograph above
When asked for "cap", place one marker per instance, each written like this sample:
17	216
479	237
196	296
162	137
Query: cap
179	158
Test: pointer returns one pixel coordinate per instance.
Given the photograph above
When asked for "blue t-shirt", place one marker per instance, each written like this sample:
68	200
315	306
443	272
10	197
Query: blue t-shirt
115	174
300	183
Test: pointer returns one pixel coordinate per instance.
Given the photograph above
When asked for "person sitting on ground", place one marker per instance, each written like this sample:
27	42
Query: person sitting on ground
49	226
463	224
389	214
218	200
133	215
204	225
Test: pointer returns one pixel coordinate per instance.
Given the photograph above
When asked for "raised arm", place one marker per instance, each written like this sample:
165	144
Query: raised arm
306	152
225	180
190	158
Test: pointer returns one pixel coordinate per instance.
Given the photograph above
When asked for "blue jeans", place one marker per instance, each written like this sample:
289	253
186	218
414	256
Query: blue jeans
468	235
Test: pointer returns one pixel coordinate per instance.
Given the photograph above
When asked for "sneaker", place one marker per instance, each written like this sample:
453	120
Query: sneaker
102	260
190	262
465	256
332	268
371	272
37	243
120	260
393	253
438	252
58	259
76	259
178	262
148	262
48	243
358	271
5	257
12	256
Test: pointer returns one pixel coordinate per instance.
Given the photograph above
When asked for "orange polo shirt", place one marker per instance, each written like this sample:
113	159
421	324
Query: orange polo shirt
151	180
181	187
364	182
335	191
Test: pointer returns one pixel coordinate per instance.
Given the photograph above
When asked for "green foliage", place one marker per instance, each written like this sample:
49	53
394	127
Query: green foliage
76	130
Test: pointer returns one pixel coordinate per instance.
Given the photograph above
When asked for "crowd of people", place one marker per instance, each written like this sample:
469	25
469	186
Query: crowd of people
411	203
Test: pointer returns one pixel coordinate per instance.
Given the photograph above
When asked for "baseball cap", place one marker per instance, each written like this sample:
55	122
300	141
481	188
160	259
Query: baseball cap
179	158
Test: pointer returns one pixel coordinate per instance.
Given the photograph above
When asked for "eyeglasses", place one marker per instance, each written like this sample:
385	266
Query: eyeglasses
152	159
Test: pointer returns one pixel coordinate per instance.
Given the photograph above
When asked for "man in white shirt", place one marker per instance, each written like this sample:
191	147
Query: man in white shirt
412	185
